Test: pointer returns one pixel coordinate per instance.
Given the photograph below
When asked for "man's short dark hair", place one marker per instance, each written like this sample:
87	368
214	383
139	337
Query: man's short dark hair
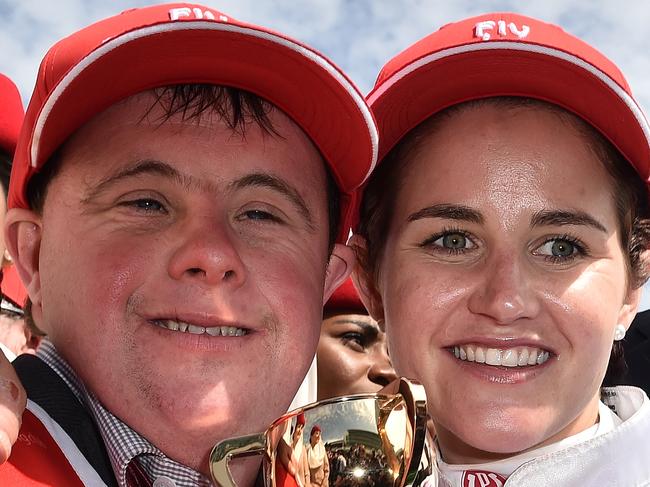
5	171
237	108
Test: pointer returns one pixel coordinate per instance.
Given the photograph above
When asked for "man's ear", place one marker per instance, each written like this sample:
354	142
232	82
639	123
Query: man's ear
23	239
339	267
364	282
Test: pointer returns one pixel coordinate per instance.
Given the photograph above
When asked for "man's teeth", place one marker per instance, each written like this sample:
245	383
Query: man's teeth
226	331
509	357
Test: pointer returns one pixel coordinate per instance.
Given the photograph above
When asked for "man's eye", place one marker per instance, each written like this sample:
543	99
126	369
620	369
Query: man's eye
146	205
259	215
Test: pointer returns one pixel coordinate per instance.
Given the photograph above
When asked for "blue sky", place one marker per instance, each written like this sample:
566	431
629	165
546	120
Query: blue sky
358	35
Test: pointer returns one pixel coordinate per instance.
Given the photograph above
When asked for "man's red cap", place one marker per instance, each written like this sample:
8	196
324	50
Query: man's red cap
11	114
505	54
345	298
181	43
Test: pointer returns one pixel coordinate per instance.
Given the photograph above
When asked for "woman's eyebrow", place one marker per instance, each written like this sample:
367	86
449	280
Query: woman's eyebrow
371	329
565	217
449	212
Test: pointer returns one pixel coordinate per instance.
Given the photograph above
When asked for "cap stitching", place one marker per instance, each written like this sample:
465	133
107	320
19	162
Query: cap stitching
203	25
518	46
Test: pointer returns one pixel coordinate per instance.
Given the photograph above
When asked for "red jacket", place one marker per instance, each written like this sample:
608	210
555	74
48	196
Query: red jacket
59	443
37	458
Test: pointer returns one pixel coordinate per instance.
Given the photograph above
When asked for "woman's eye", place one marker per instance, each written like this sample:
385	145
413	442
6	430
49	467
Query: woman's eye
354	340
561	250
451	241
558	248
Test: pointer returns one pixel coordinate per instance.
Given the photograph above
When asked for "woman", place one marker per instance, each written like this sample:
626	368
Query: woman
352	354
508	259
319	467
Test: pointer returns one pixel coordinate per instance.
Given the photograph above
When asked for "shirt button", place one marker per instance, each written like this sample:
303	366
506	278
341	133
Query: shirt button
163	481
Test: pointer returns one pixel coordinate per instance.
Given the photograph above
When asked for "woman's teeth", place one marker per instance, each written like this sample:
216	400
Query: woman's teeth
226	331
509	357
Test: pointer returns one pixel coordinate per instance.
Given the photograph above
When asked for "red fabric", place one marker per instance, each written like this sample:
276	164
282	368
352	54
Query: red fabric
282	477
36	459
11	114
13	287
482	478
346	298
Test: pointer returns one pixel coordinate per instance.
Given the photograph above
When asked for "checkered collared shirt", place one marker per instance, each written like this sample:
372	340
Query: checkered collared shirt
135	461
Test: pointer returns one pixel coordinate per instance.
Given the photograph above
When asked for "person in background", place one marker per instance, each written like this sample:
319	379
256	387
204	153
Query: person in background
292	469
15	336
352	355
11	119
319	467
12	395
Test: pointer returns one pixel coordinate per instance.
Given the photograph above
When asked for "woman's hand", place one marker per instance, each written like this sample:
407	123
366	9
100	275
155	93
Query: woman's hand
13	400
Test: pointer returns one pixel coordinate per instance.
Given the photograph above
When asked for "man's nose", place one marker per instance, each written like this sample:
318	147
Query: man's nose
504	291
207	252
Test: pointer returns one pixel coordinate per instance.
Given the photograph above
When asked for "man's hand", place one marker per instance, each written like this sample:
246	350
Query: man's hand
12	404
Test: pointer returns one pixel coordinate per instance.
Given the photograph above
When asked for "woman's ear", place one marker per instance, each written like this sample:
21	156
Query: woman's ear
363	279
339	266
22	233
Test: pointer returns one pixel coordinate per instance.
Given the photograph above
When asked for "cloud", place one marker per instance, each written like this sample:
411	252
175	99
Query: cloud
358	35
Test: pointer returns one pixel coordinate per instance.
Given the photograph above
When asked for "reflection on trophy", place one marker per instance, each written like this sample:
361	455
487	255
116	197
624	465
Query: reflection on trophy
363	440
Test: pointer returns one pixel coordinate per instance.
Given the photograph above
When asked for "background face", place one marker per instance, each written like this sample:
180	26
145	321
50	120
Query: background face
352	356
505	242
150	229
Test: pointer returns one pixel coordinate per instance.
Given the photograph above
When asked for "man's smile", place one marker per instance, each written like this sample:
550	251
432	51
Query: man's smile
184	327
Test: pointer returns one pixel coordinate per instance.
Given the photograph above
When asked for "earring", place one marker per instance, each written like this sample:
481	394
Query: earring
619	333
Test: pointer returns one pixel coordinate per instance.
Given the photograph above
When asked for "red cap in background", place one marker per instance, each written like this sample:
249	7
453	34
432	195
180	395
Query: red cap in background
11	114
345	298
12	287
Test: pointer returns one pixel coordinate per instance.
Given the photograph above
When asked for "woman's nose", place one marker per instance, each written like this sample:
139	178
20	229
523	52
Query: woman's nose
504	293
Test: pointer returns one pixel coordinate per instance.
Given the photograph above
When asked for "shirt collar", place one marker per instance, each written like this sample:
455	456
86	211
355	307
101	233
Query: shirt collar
123	444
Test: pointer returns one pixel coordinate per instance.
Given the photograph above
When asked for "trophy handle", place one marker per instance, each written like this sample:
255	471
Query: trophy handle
234	447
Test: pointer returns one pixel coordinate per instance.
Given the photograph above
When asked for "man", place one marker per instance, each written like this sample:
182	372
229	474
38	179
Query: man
173	216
